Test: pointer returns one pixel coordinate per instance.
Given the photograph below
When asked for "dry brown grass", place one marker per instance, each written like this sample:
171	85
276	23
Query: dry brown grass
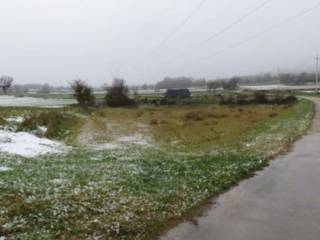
189	127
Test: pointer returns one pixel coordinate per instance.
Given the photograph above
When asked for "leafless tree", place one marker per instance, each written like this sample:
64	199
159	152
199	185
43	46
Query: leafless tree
5	83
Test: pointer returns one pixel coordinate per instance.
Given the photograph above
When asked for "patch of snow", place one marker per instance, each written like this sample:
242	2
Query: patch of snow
279	87
43	129
111	126
142	125
174	142
123	142
5	169
137	139
2	238
18	119
59	181
96	158
106	146
28	145
309	91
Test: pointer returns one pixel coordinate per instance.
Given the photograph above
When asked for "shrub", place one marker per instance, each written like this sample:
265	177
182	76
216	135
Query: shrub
56	123
83	93
260	98
118	94
257	97
273	115
195	116
288	99
2	121
214	85
232	84
154	122
167	101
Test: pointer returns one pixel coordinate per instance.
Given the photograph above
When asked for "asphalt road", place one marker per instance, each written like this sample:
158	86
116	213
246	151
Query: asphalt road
280	203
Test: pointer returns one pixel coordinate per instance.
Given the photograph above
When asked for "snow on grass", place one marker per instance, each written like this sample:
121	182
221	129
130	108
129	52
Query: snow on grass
137	139
5	169
17	119
43	129
122	142
11	101
59	181
28	145
106	146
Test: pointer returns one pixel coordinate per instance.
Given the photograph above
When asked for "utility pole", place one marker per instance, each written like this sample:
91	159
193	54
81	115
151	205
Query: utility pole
317	74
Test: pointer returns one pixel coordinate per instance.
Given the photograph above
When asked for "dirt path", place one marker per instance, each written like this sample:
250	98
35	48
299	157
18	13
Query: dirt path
280	203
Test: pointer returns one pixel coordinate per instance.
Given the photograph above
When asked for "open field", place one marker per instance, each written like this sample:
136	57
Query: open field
132	172
11	101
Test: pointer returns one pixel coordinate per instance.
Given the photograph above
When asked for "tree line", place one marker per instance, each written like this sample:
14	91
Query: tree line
231	83
297	79
180	82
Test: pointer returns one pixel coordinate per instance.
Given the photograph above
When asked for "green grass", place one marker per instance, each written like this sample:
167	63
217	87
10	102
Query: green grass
135	193
307	94
272	137
115	197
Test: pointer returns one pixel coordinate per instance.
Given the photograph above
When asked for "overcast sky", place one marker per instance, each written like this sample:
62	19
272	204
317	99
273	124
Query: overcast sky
56	41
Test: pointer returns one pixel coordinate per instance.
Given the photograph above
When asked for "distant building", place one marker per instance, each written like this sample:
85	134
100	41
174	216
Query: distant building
177	93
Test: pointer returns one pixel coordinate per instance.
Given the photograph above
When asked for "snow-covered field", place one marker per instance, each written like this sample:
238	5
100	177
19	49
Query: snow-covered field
278	87
11	101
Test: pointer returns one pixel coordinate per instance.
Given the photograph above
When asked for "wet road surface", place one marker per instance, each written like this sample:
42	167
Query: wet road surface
280	203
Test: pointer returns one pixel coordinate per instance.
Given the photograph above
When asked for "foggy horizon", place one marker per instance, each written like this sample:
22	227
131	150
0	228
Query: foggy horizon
58	41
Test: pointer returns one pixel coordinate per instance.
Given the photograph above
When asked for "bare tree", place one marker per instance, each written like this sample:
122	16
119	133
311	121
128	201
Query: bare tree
5	83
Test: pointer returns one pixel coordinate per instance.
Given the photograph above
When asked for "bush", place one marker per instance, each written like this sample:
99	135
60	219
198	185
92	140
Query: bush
288	99
232	84
83	93
195	116
55	122
257	97
118	94
2	121
260	98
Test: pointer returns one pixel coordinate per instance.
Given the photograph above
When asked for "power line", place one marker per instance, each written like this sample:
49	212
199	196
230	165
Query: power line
179	26
230	26
267	30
